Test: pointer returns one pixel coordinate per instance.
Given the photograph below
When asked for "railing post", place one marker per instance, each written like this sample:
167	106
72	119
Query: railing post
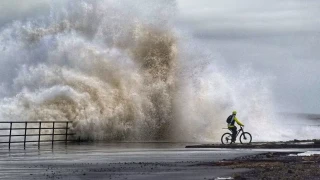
25	135
39	135
67	127
52	133
10	135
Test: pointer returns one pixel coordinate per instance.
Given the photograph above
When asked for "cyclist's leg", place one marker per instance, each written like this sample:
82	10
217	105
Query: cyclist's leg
234	134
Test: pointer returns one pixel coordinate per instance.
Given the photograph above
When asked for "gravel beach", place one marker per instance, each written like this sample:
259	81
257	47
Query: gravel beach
274	166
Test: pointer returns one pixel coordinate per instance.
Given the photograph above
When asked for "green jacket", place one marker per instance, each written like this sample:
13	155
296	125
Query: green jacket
235	119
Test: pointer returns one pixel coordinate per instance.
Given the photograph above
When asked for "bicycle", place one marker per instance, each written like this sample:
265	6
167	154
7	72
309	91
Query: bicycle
245	137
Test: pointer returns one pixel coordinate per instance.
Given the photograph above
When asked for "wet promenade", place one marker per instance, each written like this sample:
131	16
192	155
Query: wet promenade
114	161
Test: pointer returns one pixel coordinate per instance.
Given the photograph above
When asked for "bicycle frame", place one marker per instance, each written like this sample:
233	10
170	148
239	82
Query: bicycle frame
239	131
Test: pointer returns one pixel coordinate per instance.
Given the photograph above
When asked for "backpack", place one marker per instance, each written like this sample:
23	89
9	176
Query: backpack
229	119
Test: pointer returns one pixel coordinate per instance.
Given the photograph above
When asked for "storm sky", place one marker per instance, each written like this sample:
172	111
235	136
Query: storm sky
280	39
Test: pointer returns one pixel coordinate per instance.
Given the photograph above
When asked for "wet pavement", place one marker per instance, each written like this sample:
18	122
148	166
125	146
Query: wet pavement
117	161
114	161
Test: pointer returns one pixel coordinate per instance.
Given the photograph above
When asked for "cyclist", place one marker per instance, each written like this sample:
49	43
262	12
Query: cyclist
231	119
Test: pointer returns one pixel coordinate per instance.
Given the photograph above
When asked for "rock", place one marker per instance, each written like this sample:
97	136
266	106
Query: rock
269	155
238	177
290	171
316	141
268	169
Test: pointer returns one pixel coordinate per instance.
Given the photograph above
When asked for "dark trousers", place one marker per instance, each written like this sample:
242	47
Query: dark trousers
234	132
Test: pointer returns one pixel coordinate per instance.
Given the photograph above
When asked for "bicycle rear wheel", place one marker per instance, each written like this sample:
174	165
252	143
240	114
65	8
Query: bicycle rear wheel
226	138
245	138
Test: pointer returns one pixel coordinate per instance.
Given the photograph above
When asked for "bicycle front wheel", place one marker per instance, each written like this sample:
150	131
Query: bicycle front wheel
226	138
245	138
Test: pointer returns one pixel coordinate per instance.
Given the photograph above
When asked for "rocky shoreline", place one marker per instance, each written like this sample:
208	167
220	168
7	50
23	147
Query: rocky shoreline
274	166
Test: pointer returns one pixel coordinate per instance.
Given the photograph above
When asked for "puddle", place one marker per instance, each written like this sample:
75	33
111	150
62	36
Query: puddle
308	153
223	178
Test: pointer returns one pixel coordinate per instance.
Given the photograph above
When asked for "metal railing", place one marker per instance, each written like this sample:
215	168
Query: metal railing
53	131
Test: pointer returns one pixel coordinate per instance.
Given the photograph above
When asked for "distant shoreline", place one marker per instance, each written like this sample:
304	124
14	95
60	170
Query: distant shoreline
300	115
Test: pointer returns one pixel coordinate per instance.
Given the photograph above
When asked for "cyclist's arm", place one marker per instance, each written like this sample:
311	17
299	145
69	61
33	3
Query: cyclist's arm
238	122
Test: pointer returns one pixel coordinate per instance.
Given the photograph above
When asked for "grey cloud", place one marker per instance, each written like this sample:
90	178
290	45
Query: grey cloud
251	20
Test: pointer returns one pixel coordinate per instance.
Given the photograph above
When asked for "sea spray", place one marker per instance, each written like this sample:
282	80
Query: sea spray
121	71
99	64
